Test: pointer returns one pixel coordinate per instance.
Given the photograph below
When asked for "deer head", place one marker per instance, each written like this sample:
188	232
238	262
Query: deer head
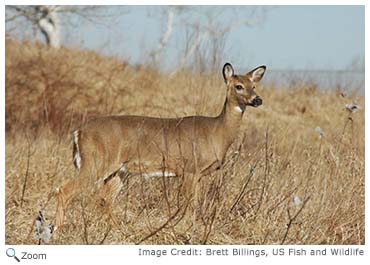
241	88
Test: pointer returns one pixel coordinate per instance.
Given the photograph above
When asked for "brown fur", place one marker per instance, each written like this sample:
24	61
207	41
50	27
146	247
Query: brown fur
190	145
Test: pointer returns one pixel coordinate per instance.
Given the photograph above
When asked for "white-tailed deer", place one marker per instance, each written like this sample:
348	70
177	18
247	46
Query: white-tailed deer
108	146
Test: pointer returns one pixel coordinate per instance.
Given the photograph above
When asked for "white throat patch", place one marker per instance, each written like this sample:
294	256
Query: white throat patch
238	109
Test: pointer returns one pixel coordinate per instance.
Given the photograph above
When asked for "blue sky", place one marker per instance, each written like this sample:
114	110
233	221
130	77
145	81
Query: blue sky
289	37
284	37
311	37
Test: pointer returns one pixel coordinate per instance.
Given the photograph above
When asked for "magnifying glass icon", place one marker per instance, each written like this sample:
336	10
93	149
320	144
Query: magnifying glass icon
10	252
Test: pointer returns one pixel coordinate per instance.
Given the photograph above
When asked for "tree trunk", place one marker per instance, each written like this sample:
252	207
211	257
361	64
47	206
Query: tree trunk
49	25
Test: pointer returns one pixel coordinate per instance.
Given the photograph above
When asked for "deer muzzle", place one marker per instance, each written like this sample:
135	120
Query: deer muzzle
257	101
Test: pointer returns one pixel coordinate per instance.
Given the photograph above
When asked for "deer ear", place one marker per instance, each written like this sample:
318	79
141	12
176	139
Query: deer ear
257	73
227	71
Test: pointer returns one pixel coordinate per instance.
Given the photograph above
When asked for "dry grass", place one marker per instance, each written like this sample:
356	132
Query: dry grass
278	155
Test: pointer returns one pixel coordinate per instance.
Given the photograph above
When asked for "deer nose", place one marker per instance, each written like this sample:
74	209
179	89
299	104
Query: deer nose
257	101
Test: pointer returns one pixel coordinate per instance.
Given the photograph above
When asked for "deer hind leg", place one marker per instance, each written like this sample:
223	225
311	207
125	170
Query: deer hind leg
64	195
108	193
69	190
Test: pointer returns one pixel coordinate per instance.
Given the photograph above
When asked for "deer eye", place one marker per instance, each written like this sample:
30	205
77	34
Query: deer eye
239	87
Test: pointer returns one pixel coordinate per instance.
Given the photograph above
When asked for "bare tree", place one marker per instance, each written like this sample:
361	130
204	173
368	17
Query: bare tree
170	14
206	30
45	19
208	33
50	20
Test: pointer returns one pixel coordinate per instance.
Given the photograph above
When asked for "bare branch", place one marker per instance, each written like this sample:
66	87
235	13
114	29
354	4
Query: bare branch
208	35
165	35
49	20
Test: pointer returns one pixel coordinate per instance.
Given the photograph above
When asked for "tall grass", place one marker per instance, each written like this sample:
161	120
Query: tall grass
295	175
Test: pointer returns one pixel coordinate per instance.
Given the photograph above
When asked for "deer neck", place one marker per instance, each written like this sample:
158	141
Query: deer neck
230	120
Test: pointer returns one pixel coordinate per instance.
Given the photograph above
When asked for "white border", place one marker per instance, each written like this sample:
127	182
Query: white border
128	254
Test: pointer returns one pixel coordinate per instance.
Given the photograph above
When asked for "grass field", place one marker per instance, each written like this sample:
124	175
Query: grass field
295	175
